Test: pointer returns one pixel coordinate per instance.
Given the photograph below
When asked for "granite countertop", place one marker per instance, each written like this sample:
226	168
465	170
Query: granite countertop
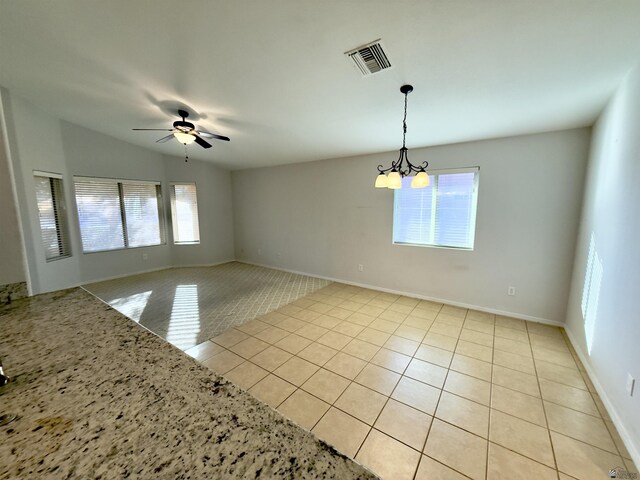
98	396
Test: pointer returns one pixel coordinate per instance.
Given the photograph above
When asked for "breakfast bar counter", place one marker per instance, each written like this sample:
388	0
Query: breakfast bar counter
98	396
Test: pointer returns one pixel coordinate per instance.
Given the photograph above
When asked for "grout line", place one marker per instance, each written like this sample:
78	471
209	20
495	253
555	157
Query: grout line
424	445
544	410
493	352
394	438
413	356
387	401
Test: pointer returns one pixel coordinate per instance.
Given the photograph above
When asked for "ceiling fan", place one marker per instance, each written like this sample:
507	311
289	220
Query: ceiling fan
185	132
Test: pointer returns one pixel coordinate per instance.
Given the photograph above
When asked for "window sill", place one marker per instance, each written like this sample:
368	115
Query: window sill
425	245
124	248
55	259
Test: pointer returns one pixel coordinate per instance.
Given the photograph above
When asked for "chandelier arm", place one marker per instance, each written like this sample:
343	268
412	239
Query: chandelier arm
403	158
416	168
397	165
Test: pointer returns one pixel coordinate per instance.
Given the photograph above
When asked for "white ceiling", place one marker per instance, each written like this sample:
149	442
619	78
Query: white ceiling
271	74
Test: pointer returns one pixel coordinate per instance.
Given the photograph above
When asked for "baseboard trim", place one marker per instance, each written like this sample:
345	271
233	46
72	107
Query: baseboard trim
519	316
130	274
505	313
200	265
115	277
633	449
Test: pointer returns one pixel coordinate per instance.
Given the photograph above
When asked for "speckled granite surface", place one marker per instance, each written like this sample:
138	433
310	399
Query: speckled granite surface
11	292
98	396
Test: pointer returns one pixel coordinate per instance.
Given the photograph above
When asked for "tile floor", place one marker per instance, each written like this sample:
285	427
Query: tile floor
420	390
410	388
186	306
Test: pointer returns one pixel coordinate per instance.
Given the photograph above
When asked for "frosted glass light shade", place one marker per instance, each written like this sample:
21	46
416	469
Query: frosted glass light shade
394	180
421	180
381	181
184	137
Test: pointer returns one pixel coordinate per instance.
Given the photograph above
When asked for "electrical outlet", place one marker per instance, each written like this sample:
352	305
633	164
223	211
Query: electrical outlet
145	256
631	382
511	291
360	267
259	252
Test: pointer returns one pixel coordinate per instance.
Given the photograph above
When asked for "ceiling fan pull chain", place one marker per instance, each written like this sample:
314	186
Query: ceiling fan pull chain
186	157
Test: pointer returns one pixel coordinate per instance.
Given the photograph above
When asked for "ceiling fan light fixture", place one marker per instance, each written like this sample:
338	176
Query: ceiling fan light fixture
185	138
185	132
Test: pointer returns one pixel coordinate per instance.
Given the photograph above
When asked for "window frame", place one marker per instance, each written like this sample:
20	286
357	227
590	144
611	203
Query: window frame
122	211
61	218
474	206
173	213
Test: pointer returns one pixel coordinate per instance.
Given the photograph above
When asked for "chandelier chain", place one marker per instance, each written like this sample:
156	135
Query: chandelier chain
404	121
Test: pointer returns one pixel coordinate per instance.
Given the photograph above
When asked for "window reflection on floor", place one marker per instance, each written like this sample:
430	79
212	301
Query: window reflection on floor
228	294
184	323
133	305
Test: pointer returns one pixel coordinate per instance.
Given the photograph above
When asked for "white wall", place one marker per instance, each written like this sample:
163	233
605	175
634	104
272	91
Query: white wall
11	257
92	154
35	143
39	141
609	338
213	187
324	218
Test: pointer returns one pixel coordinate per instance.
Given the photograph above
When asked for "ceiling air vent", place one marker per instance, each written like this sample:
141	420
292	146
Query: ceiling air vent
369	58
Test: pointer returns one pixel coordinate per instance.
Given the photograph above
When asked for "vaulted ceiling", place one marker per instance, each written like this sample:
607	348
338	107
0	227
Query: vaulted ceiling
272	74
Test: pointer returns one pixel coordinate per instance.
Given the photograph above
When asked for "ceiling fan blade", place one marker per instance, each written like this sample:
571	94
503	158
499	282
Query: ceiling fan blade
203	143
154	129
213	135
165	139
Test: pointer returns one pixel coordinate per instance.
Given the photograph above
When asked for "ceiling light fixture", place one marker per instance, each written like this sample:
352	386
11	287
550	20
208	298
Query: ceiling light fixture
185	138
403	167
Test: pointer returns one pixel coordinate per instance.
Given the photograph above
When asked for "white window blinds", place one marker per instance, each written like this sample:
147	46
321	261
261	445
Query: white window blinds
99	215
184	213
442	214
52	216
142	215
118	214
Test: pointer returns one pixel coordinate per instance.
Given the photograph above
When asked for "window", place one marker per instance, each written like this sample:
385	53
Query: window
442	214
184	213
52	215
116	214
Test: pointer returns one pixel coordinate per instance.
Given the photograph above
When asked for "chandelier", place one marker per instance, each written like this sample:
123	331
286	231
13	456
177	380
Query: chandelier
403	167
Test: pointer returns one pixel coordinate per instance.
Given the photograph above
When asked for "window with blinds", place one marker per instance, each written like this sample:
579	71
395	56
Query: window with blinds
142	213
116	214
52	216
184	213
442	214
